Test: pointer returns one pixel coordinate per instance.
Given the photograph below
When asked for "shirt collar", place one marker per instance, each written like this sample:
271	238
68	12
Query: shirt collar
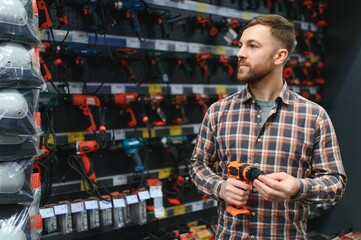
284	94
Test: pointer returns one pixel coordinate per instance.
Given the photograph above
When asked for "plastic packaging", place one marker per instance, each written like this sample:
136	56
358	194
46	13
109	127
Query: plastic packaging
14	147
14	222
15	186
19	66
19	21
17	111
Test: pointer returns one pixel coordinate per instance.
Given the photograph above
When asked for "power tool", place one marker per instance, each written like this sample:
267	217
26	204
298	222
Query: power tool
123	100
131	147
84	102
132	7
81	149
243	172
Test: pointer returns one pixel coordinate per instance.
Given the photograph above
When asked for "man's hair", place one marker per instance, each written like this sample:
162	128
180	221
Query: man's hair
281	29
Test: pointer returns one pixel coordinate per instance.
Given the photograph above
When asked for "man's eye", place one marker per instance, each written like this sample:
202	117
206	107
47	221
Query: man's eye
252	46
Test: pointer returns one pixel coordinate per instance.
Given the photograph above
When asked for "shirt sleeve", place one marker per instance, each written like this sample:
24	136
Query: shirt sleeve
203	160
329	179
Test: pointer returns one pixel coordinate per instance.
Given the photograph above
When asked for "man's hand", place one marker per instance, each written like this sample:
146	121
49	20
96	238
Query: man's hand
277	186
235	192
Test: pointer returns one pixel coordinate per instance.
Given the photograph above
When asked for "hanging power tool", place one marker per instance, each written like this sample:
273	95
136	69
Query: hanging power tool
132	7
84	102
243	172
176	146
131	147
81	163
123	100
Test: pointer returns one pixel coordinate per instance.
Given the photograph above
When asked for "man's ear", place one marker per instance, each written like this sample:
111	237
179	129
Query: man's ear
281	56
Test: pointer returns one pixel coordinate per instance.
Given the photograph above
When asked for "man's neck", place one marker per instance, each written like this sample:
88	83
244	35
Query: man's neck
266	90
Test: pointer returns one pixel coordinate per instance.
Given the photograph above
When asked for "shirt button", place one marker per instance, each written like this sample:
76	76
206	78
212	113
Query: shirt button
254	190
253	214
253	101
252	237
259	116
259	140
256	164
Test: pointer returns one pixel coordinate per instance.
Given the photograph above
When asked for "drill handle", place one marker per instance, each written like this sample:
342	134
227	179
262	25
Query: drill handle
138	162
88	166
87	112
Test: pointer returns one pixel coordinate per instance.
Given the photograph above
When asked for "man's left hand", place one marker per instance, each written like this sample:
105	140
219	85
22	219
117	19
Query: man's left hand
277	186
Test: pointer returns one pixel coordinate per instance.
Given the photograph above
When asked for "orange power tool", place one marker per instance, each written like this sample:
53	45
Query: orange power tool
84	102
246	173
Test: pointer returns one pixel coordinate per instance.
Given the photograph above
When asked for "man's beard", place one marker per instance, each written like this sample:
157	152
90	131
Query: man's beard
256	73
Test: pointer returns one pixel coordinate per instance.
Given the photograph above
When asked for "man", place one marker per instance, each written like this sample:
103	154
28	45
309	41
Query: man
288	137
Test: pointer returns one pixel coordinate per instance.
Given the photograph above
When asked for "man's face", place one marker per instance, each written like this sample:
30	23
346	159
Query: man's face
255	57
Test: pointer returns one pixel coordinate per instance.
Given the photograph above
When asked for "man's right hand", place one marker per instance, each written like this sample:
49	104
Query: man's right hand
235	192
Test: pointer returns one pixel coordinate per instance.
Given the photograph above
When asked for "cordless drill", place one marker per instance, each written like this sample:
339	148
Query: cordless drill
131	147
246	173
84	102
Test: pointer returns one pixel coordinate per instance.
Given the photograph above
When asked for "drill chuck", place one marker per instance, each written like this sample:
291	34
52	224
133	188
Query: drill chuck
243	171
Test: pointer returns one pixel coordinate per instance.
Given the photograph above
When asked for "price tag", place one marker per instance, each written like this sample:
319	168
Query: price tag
194	48
77	207
161	45
80	37
105	204
50	139
196	128
143	195
131	199
117	88
314	28
313	58
61	209
179	210
164	215
197	206
221	89
154	88
222	11
198	89
313	90
92	204
46	212
175	130
181	47
76	137
120	180
177	89
119	134
164	173
145	132
75	87
304	26
296	89
118	202
133	43
155	191
246	16
202	7
220	50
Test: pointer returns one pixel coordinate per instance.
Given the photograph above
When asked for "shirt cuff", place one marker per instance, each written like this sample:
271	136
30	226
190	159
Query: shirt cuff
302	192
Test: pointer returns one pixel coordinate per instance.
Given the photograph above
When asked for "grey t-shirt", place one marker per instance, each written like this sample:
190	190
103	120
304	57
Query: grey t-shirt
265	108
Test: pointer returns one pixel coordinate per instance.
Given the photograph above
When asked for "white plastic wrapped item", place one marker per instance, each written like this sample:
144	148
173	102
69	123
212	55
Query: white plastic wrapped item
19	21
17	110
19	66
14	147
15	186
14	222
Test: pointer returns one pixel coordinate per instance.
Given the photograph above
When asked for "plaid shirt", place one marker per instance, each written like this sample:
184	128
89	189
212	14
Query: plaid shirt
298	138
